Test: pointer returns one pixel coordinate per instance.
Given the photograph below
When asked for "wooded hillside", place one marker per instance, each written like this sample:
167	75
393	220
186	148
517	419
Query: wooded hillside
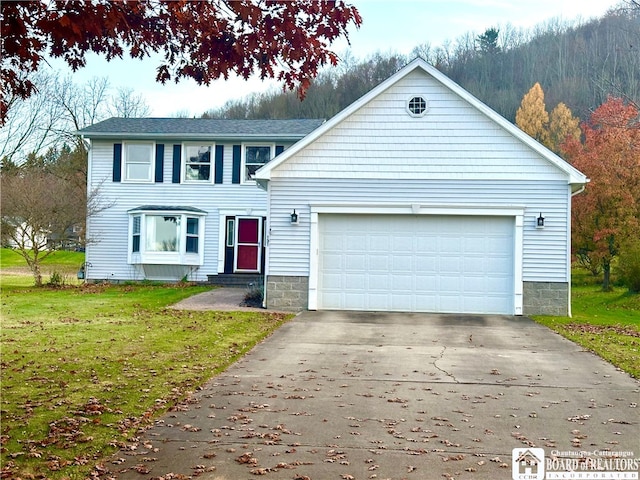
580	64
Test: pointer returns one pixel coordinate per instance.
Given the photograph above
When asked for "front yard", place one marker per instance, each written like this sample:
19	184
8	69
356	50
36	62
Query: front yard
606	323
84	367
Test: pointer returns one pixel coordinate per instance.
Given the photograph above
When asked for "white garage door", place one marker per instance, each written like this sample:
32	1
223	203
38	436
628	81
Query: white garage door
420	263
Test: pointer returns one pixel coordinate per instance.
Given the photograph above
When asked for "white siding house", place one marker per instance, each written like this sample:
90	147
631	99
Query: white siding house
182	201
418	197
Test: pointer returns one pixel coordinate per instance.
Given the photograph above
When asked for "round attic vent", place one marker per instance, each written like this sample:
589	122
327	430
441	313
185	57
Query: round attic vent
417	106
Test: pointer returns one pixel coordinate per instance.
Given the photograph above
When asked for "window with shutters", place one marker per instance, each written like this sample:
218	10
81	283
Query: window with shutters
255	156
197	162
138	161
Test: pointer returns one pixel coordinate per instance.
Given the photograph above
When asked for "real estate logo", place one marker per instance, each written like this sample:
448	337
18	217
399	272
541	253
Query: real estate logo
527	464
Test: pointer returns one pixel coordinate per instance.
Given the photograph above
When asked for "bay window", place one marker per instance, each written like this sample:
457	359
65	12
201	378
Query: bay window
166	235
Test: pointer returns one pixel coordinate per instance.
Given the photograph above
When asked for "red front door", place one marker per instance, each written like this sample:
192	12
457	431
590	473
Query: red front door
248	244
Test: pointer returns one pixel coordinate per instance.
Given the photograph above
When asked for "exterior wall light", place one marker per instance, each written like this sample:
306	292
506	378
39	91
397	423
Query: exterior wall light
294	217
540	221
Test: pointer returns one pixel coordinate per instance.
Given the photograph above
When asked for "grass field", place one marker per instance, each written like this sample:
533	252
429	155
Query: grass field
607	323
85	366
64	263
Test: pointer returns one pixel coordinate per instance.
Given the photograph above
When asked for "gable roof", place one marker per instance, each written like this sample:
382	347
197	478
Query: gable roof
195	128
575	177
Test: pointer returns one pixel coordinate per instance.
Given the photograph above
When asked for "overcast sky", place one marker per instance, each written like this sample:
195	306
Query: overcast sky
388	26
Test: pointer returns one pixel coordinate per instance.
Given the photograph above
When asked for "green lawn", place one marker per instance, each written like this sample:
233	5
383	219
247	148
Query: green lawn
84	367
65	264
607	323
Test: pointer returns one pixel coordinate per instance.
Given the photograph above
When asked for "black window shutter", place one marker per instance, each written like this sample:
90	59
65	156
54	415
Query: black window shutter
159	163
177	154
279	149
219	164
237	154
117	162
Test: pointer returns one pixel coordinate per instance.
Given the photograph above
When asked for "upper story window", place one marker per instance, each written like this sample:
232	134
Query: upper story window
197	163
254	157
138	162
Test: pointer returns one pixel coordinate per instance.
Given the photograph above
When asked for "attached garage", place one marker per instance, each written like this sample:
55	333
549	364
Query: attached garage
419	198
420	263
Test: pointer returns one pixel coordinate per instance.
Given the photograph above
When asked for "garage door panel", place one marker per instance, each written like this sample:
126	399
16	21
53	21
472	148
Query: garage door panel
473	264
400	244
426	264
379	243
357	300
402	302
356	243
402	283
401	263
379	263
355	282
449	263
416	263
379	283
356	262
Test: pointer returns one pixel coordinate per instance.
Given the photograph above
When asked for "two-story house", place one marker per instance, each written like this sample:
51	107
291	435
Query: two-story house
417	197
182	194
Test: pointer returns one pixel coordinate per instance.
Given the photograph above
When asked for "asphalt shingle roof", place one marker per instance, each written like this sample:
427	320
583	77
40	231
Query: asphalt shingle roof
200	128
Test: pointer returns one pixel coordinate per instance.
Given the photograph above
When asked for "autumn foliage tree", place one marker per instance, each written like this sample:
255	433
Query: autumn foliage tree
606	217
562	125
532	116
552	129
203	40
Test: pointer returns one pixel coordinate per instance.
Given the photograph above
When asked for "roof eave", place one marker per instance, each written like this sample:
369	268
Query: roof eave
189	136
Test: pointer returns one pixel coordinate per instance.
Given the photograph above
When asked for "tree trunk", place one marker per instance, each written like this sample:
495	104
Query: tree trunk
37	274
606	281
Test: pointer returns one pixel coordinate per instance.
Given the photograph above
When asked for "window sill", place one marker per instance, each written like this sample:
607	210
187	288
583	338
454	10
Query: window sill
165	258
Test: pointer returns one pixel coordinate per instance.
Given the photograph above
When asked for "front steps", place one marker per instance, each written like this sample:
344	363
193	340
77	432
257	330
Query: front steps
235	280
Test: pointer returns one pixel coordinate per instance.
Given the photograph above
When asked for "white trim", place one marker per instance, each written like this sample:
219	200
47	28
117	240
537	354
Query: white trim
518	254
314	267
574	177
515	211
222	238
426	105
178	257
237	243
183	163
568	252
417	209
267	237
124	153
243	155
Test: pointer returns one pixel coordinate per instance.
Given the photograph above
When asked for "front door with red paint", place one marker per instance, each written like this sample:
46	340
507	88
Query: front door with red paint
248	251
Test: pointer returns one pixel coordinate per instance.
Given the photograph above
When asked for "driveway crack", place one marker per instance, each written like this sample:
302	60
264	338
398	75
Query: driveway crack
435	364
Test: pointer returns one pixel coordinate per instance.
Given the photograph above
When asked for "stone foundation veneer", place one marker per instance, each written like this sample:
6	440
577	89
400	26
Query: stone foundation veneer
287	293
545	298
539	298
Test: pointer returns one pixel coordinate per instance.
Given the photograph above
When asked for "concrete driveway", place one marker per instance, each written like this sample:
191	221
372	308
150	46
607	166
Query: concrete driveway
350	395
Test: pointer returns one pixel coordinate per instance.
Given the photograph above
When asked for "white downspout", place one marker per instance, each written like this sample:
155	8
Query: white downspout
572	194
265	186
